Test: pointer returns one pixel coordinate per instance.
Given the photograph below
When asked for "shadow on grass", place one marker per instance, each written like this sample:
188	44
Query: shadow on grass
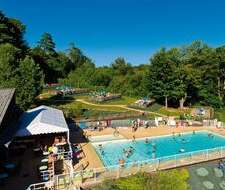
56	100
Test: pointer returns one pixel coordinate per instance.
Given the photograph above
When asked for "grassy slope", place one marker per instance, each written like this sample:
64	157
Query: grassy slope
125	100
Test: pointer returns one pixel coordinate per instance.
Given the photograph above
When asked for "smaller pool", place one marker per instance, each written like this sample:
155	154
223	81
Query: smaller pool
83	125
105	138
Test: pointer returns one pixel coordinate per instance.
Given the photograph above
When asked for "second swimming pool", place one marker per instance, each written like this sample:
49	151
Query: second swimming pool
155	147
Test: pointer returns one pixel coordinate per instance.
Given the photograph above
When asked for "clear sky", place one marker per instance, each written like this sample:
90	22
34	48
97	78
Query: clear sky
134	29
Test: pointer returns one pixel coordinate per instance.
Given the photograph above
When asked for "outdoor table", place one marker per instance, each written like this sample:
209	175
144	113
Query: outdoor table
44	167
45	153
44	160
36	149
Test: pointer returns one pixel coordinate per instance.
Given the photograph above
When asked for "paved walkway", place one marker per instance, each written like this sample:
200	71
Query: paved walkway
118	106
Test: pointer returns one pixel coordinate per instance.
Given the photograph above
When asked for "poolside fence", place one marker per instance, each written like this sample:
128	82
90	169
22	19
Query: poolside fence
90	177
93	176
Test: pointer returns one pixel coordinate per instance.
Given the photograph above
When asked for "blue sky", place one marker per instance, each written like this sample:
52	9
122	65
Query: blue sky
134	29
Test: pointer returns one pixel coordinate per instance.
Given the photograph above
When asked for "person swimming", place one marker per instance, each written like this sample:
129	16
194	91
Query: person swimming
146	141
193	132
182	150
210	135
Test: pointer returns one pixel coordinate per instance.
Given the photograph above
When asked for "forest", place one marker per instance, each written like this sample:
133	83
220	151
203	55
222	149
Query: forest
188	75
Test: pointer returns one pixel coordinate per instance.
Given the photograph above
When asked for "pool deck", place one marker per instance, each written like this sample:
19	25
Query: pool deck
95	162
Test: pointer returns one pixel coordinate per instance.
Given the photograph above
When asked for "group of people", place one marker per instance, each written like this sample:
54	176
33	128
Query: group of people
128	152
101	149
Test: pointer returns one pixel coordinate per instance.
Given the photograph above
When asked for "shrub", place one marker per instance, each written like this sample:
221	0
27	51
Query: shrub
165	180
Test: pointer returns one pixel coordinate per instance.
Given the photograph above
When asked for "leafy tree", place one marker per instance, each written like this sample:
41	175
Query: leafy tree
29	82
159	78
82	76
121	67
22	74
76	56
205	60
9	63
47	44
12	31
103	76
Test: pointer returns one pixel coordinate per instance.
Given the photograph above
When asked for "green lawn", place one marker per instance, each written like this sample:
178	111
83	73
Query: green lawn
79	109
70	103
79	105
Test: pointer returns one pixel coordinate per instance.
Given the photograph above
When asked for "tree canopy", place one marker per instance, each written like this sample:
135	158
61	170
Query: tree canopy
178	76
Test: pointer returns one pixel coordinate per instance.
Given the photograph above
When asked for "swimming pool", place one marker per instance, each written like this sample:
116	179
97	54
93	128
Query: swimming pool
156	147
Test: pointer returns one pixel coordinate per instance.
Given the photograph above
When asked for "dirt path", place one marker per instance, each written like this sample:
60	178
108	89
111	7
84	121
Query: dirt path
118	106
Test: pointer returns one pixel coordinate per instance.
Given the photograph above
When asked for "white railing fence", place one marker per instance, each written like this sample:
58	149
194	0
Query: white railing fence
91	176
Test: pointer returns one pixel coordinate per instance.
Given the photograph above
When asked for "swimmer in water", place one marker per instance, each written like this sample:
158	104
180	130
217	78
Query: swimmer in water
146	141
210	135
194	132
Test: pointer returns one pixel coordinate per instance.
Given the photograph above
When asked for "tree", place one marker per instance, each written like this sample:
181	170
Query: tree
12	31
47	44
29	82
82	76
205	60
158	80
22	74
76	56
9	63
121	67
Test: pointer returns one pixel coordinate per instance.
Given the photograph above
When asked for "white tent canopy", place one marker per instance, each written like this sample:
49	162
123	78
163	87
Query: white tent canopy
42	120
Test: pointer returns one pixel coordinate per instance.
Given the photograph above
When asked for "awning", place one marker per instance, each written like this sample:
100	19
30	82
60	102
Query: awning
42	120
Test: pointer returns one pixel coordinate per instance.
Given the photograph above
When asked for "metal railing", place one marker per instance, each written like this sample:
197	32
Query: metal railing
92	176
88	177
50	174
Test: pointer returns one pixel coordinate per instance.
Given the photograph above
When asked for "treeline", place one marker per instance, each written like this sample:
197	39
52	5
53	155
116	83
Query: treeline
26	68
188	75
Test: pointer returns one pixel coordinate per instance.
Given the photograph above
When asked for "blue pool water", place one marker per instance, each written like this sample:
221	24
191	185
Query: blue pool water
83	125
164	146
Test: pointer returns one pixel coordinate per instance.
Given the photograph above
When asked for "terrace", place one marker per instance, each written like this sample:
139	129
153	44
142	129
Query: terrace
40	149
